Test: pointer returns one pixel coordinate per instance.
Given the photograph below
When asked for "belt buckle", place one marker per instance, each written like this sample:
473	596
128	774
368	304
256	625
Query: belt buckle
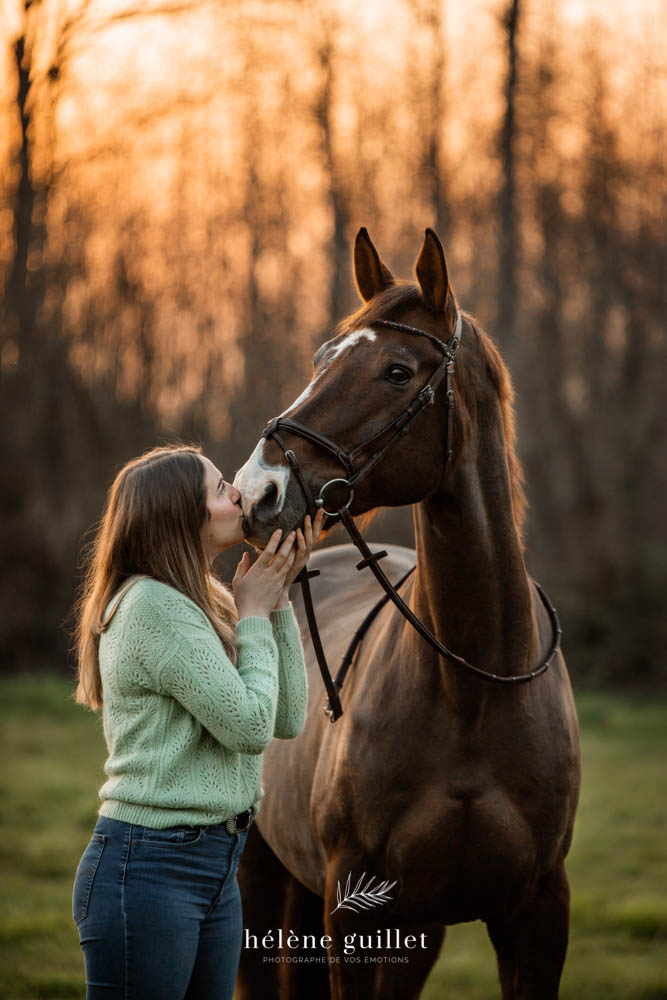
232	825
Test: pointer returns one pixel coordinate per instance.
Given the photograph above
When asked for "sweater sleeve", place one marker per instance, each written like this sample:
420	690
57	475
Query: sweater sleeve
292	683
236	705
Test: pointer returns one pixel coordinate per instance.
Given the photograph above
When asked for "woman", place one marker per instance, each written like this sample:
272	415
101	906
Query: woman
193	686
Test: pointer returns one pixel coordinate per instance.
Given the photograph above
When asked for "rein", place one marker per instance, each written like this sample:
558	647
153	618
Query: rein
400	426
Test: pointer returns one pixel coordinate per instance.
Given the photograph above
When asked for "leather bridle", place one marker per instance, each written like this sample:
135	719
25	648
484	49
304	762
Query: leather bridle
399	426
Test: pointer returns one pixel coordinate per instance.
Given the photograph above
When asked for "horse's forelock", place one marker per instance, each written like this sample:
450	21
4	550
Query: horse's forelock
403	295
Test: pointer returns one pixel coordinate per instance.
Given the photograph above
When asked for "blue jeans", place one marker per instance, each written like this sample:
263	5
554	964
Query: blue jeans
159	912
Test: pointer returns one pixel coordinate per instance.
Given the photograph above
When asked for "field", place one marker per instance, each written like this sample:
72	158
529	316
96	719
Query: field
53	753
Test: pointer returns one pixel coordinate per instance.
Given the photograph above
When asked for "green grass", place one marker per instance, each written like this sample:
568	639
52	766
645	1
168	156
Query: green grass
53	751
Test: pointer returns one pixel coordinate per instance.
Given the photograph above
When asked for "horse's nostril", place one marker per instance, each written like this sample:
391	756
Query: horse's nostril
270	497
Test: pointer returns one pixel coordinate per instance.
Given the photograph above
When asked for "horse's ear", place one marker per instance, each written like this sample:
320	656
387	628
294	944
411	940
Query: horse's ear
372	275
432	274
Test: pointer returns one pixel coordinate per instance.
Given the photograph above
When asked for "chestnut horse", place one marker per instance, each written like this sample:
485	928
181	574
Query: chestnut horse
461	792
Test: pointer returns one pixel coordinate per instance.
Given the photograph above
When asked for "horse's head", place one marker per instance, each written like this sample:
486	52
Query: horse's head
364	378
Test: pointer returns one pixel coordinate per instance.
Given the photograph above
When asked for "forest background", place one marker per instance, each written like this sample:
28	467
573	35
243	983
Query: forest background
180	189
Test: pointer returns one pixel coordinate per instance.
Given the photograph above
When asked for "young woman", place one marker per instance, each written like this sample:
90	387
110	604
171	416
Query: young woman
193	685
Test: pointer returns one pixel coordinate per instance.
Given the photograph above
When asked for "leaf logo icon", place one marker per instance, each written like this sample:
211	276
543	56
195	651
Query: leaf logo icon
363	898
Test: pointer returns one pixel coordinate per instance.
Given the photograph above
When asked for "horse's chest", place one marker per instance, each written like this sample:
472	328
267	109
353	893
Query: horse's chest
445	824
454	851
463	851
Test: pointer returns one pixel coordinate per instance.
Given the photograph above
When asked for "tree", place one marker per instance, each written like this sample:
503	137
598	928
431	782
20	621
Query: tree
507	209
430	109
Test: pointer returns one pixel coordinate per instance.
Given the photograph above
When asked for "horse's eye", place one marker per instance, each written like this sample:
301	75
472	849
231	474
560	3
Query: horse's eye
398	375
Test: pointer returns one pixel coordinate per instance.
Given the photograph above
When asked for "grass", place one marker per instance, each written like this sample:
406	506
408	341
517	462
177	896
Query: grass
53	753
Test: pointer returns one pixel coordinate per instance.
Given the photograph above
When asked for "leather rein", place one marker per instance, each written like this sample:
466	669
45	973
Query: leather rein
400	426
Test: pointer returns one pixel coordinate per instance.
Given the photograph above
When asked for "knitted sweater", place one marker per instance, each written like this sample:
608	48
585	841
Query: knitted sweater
185	728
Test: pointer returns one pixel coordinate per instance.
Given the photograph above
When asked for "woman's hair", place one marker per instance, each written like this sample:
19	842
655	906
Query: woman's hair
152	524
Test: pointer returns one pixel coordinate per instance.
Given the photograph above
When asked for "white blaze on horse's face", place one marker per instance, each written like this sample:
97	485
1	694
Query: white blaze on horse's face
256	479
348	341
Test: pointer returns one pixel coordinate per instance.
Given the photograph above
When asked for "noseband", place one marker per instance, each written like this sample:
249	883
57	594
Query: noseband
400	426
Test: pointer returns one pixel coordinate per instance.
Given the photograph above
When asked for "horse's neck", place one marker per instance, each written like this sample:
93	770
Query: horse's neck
471	586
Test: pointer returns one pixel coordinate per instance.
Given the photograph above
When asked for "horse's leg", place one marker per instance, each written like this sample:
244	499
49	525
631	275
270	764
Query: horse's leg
274	899
531	947
262	881
373	973
302	915
405	980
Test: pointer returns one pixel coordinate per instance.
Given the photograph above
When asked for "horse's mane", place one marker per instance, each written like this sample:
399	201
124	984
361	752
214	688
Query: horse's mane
502	383
404	295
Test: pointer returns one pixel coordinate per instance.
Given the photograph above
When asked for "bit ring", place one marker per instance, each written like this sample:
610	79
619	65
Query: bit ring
320	500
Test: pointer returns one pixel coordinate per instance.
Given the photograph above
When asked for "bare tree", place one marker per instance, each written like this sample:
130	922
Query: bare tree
37	81
507	208
325	96
428	70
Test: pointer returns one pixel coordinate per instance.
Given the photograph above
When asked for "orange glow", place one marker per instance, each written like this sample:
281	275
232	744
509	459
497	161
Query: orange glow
174	140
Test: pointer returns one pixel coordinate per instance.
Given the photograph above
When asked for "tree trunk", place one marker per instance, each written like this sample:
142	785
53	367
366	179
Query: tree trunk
22	292
339	289
507	209
430	14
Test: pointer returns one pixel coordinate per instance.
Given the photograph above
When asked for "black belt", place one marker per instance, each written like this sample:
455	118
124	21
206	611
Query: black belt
240	823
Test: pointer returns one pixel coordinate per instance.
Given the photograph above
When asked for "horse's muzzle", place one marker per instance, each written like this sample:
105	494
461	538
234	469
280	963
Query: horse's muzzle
261	519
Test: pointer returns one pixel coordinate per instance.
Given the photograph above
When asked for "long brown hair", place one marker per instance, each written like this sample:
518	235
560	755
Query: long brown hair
152	524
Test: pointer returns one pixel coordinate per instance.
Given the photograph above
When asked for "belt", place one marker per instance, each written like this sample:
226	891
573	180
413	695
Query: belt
241	822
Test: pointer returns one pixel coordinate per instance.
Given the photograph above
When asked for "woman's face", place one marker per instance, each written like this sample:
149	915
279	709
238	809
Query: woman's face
224	526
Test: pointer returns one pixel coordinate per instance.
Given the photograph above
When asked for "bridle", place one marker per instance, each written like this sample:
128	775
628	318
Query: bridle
399	426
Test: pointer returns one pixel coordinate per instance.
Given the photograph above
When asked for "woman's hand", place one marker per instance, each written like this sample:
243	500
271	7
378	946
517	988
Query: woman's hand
258	586
304	544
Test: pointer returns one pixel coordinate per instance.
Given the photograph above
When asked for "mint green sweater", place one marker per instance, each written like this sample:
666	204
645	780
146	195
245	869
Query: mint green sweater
185	728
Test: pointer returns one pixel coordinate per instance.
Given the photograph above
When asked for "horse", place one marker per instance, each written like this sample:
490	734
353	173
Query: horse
457	795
